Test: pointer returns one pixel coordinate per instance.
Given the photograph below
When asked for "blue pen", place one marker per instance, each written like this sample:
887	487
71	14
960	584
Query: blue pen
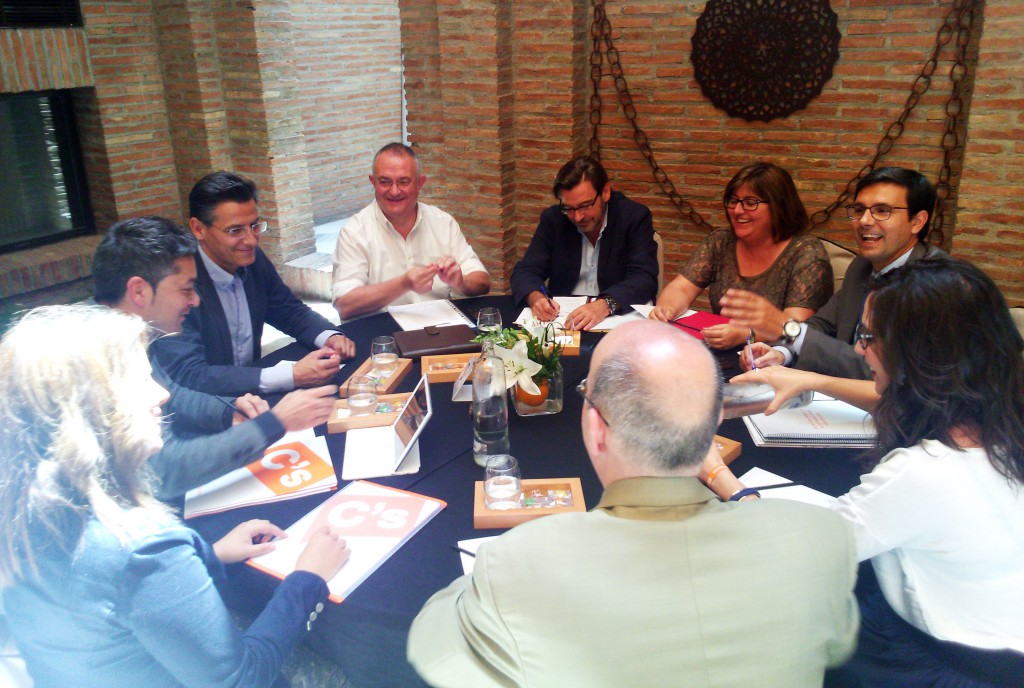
544	291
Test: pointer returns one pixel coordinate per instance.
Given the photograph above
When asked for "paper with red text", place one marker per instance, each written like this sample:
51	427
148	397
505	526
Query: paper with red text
296	466
374	520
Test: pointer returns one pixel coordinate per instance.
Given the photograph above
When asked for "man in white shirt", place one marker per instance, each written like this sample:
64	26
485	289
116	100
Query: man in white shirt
397	250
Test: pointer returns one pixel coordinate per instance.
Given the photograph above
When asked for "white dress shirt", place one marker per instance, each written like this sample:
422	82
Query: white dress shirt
370	251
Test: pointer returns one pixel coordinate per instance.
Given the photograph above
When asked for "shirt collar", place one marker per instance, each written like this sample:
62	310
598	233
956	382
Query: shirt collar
219	275
899	262
383	221
656	492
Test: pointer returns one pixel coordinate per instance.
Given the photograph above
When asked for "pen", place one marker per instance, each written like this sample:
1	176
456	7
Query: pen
230	405
464	551
750	349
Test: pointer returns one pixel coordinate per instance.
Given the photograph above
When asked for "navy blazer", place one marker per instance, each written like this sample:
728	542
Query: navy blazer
627	266
201	357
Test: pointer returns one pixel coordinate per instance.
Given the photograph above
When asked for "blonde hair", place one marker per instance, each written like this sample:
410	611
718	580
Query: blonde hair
72	440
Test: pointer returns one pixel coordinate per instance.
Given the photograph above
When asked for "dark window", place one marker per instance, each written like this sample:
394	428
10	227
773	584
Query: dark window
43	196
28	13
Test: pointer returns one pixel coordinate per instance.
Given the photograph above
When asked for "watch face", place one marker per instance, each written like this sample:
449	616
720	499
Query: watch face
791	329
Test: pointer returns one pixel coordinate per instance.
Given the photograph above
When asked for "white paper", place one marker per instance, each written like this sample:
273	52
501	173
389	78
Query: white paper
800	493
472	546
437	313
758	477
567	304
819	424
643	309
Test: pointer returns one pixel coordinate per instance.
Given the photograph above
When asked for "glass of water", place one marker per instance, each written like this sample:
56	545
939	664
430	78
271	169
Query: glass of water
384	355
488	320
362	395
502	484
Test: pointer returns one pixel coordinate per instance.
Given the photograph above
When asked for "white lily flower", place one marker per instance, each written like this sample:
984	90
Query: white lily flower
518	367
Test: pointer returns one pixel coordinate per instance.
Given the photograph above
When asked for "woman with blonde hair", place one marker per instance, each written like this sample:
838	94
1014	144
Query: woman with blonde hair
103	586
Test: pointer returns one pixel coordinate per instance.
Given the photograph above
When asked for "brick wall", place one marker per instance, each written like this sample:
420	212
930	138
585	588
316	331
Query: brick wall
883	47
990	231
348	78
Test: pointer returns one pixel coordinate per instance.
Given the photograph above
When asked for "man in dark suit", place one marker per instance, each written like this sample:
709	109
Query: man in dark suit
240	291
146	266
595	242
890	214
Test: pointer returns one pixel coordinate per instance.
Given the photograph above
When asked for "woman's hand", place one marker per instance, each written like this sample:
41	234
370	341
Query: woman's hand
786	382
247	540
662	313
325	554
724	336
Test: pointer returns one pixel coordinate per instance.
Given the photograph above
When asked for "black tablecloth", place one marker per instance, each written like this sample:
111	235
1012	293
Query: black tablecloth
366	634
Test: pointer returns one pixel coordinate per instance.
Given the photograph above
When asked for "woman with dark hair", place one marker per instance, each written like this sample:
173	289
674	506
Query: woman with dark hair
103	586
765	250
941	515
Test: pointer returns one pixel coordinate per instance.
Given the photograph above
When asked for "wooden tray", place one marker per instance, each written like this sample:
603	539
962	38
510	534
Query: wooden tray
444	367
574	348
729	449
343	423
387	385
489	518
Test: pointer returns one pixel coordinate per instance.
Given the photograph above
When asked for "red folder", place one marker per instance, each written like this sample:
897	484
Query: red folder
693	324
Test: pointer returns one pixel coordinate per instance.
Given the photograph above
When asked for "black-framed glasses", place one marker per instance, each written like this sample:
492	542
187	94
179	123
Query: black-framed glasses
748	202
238	231
568	210
879	211
862	336
581	389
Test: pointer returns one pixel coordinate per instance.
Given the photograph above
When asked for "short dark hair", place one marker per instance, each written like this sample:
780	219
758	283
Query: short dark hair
953	356
773	184
400	150
142	246
920	192
577	170
216	188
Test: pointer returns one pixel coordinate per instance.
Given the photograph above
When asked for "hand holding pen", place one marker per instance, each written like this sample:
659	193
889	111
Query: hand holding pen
543	306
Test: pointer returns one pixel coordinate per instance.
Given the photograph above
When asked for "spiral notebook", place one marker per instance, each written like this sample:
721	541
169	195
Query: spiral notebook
437	313
825	422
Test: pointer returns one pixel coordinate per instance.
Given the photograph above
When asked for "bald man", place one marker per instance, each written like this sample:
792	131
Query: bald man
662	584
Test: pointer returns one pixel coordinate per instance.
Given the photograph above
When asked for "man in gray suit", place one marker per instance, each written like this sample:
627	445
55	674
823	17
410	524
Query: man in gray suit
663	583
891	215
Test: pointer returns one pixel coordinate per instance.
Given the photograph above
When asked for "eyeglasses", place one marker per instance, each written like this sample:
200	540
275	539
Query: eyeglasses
879	211
567	210
385	183
581	389
862	336
749	202
238	231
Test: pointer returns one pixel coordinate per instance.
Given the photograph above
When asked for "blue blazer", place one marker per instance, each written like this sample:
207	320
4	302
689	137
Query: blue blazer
627	267
201	357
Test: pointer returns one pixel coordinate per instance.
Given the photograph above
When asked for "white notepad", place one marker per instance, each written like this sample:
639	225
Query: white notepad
437	313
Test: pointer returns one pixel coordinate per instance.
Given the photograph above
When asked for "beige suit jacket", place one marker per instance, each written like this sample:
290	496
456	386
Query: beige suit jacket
660	585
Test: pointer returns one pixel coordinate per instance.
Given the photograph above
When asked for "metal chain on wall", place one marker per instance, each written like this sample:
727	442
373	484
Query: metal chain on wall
957	26
601	33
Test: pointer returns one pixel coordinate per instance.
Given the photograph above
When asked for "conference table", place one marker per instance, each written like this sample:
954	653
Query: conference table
366	634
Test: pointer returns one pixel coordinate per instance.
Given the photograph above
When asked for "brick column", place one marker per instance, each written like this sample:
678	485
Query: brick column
990	221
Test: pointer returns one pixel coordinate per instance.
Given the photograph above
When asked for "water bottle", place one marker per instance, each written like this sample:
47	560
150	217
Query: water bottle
746	399
490	406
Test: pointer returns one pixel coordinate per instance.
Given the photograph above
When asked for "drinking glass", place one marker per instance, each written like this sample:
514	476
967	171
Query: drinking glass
488	320
362	395
384	356
502	485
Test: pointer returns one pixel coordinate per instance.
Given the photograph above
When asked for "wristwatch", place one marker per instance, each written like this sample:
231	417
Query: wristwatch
791	330
613	305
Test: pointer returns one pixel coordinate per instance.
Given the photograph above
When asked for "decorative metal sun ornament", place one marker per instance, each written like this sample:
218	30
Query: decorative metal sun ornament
762	59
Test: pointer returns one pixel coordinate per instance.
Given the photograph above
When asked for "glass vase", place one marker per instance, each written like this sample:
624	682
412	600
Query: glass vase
551	403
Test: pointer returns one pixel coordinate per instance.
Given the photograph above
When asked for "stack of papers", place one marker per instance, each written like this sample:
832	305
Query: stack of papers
374	521
297	466
438	313
825	422
567	304
772	486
